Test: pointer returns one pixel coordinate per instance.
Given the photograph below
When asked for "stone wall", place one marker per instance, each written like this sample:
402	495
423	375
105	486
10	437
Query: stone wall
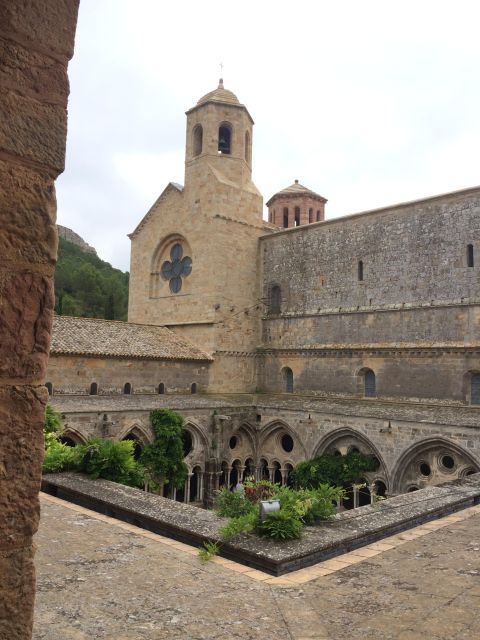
75	374
411	375
412	254
36	41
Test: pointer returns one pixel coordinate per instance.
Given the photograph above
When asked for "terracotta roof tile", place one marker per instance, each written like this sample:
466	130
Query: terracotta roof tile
95	337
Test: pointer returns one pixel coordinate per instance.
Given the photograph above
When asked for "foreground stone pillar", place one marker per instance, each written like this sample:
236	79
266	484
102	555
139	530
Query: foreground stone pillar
36	42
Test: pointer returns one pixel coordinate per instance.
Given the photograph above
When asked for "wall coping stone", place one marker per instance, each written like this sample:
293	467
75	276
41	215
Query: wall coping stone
345	532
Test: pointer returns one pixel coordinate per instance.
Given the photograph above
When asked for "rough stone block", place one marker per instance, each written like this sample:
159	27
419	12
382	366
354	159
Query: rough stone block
44	24
22	416
26	313
30	73
33	131
27	215
17	592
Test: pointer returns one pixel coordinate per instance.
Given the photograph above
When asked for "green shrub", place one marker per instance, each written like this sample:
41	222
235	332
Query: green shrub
241	524
110	460
58	456
208	550
53	420
281	525
333	470
232	504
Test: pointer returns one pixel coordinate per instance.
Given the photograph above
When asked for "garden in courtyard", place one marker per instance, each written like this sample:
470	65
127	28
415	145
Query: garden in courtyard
315	487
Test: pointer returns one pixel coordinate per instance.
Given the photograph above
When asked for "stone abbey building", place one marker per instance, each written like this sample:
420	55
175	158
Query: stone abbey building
281	340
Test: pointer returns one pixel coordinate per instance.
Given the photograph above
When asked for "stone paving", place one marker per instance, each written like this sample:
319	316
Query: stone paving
99	578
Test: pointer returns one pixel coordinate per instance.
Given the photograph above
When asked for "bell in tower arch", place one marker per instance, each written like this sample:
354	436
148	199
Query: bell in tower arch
224	139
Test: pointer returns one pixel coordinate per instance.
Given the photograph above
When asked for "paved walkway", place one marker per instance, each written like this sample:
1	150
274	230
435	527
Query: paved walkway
99	578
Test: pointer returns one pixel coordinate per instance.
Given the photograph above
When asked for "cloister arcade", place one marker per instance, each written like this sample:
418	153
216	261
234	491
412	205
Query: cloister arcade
272	451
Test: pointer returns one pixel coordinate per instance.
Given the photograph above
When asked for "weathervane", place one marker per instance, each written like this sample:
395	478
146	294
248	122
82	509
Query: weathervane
220	84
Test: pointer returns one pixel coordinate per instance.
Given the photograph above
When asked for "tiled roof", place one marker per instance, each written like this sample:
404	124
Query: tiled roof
296	189
94	337
220	94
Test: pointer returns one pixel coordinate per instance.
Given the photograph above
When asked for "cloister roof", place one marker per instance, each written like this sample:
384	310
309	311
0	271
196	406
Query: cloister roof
96	337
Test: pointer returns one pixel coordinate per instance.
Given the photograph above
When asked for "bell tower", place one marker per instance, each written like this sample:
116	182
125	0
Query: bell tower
219	144
195	255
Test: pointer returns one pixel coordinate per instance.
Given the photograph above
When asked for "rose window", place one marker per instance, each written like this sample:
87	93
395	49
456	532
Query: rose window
177	268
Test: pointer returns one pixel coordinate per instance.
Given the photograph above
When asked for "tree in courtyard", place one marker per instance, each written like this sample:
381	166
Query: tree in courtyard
163	459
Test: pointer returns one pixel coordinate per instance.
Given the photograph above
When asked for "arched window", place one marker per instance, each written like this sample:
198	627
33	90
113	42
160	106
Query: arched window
49	386
193	388
360	270
470	260
285	217
224	139
197	140
247	147
161	388
93	389
475	388
370	384
297	216
275	299
127	388
288	378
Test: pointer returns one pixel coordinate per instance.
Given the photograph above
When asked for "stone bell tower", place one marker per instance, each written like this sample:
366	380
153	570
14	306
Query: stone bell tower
219	144
195	261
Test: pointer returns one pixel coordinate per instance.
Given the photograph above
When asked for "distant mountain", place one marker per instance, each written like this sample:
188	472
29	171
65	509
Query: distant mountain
87	286
74	238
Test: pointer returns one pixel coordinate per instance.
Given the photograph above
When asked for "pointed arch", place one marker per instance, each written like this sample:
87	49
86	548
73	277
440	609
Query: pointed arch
329	440
199	438
138	433
422	447
279	425
70	433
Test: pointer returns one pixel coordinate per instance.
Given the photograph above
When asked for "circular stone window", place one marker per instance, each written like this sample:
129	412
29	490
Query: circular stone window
233	442
425	469
287	443
448	462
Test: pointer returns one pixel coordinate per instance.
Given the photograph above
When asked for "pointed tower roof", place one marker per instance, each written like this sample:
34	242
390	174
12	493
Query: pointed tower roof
296	189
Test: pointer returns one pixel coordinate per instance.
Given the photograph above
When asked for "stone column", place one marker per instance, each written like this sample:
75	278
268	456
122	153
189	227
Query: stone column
355	496
284	473
200	486
229	471
186	497
36	41
373	492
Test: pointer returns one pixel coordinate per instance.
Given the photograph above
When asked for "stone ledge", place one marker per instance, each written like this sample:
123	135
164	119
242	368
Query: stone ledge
346	532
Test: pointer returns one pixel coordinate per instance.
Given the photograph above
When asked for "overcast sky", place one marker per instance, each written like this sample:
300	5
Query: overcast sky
368	103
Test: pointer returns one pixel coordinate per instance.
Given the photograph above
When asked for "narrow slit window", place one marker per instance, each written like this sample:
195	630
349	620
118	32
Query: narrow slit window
127	389
470	257
161	388
193	388
197	140
275	299
475	390
360	270
370	384
93	389
49	386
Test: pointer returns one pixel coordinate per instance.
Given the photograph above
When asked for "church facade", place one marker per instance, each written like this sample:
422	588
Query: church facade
285	339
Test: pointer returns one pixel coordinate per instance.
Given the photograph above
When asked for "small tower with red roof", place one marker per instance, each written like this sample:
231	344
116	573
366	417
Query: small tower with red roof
296	205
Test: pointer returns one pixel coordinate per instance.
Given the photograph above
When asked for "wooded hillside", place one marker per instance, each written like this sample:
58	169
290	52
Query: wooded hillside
87	286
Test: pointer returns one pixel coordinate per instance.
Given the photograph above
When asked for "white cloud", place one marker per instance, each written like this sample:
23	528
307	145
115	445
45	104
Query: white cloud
368	103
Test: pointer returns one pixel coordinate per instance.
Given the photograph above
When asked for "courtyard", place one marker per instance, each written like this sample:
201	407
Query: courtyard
101	578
